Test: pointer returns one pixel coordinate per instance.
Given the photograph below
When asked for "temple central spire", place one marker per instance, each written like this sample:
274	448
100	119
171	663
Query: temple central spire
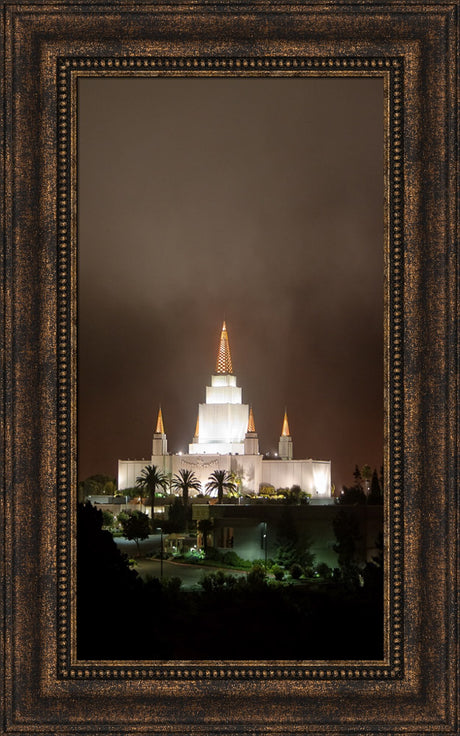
224	359
223	418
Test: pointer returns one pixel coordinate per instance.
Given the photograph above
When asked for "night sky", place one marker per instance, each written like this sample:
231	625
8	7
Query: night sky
257	201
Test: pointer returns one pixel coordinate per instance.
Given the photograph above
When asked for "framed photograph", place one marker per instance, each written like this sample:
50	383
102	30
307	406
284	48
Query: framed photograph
155	157
225	171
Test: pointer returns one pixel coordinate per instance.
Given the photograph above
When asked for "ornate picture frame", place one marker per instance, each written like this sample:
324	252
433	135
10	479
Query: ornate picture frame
47	47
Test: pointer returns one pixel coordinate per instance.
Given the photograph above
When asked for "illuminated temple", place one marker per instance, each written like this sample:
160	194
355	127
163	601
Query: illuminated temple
226	439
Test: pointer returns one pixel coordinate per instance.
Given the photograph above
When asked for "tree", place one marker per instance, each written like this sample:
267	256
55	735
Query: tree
97	485
373	571
136	526
107	518
346	530
375	495
185	481
220	481
352	495
357	476
132	492
324	571
366	472
293	495
366	475
108	590
150	479
381	478
176	518
292	547
205	526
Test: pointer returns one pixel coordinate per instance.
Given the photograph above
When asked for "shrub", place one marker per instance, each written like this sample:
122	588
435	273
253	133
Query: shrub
261	562
231	558
278	572
171	585
194	554
256	576
295	571
107	518
324	571
217	581
267	490
212	553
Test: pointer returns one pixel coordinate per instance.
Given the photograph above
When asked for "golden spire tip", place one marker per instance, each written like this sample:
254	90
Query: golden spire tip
224	359
285	431
160	426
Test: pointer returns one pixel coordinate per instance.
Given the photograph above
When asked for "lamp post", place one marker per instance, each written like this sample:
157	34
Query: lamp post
265	544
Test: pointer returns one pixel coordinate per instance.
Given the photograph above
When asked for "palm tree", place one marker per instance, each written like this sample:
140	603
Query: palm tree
219	481
150	479
185	481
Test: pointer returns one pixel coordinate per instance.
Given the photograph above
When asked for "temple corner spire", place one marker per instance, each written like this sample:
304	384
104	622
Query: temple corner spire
251	423
159	443
160	429
285	449
251	440
285	429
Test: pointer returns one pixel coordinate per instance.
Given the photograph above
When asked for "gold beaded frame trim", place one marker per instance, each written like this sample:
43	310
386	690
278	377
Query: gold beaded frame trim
69	70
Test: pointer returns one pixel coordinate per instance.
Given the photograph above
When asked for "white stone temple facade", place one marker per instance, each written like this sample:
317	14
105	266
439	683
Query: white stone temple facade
226	439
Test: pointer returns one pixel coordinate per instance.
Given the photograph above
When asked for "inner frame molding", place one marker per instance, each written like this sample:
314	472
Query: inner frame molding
69	71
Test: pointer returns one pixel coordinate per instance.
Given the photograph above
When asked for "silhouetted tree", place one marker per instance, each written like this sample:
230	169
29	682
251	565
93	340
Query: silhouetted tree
357	476
352	495
346	530
136	526
205	526
366	475
97	485
373	571
107	588
292	547
107	518
375	496
177	517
